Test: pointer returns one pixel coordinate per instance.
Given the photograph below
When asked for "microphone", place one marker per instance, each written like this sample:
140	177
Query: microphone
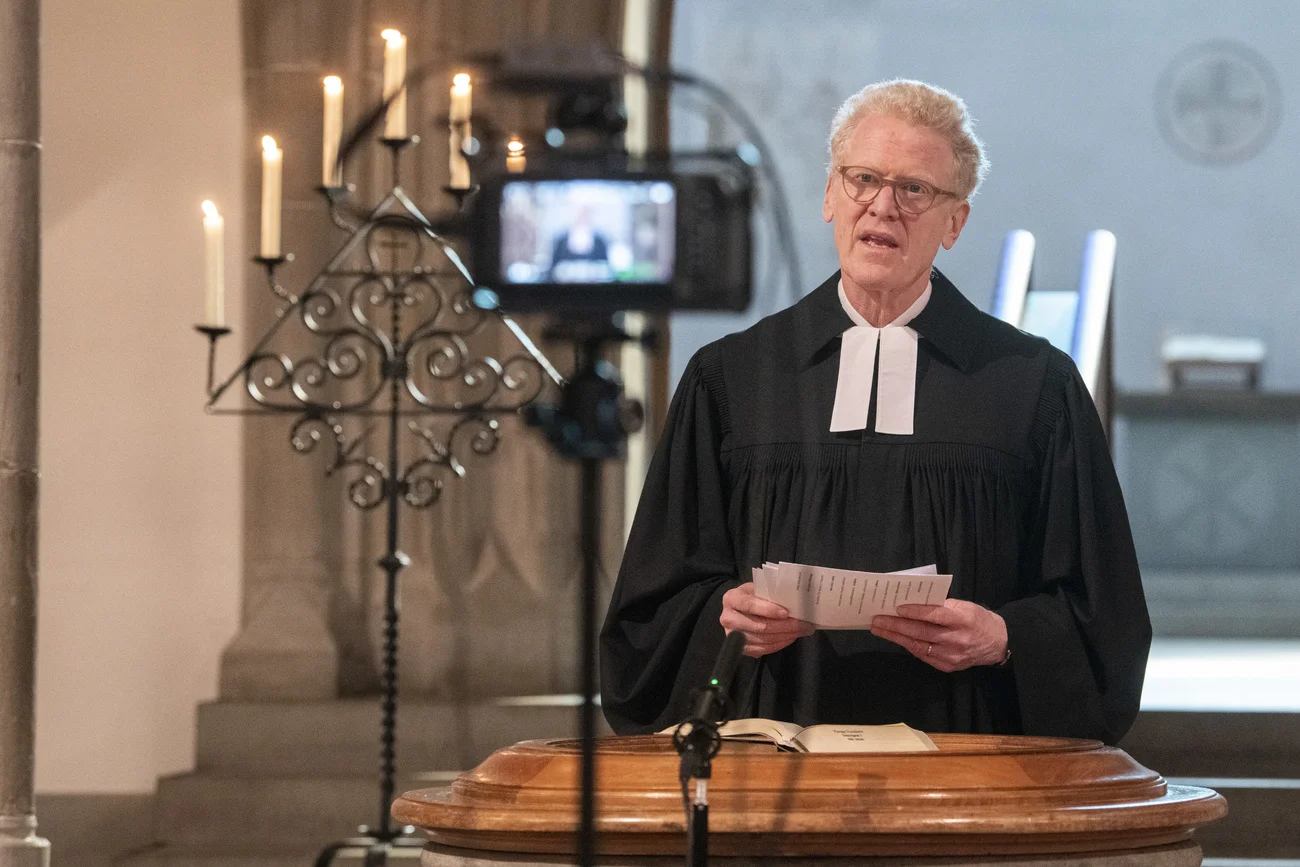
697	742
712	704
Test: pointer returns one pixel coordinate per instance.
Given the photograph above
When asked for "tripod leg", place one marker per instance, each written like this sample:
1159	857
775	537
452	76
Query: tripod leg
377	855
590	564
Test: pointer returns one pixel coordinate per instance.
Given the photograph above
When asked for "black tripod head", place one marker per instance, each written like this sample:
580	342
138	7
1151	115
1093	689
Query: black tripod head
593	418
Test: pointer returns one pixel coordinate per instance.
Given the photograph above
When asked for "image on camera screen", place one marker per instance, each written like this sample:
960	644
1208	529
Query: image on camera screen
588	231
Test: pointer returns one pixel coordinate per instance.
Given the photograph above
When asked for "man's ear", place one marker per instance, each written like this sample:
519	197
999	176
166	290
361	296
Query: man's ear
827	213
955	224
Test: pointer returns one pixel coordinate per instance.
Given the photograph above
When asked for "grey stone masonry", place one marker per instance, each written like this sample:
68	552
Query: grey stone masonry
20	312
285	649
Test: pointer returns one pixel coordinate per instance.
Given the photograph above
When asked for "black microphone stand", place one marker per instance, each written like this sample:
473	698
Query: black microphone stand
697	742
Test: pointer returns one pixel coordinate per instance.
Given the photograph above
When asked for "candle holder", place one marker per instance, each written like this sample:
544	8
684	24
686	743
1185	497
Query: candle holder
461	195
270	263
391	327
213	333
336	194
396	146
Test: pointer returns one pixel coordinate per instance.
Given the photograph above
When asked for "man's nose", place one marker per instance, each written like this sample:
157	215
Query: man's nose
883	206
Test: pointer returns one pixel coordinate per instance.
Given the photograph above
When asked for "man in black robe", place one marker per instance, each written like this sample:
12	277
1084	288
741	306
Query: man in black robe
883	423
581	254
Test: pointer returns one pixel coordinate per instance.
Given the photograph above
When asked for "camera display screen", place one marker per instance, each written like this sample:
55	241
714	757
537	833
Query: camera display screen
588	231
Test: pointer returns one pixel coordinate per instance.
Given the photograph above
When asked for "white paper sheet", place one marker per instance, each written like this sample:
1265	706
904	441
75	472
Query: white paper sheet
843	598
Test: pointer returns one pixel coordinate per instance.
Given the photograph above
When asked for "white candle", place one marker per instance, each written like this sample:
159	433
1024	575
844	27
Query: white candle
272	165
214	271
331	172
395	83
515	159
458	166
461	95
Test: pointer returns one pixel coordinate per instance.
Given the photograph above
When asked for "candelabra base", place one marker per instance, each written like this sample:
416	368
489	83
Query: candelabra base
374	848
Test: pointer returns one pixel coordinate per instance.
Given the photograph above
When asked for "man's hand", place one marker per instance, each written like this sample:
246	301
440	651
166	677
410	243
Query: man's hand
951	637
767	626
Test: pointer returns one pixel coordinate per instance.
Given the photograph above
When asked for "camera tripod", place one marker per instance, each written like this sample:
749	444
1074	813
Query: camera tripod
589	424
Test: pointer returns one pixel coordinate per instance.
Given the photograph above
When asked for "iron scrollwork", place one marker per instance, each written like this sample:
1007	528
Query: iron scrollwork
396	336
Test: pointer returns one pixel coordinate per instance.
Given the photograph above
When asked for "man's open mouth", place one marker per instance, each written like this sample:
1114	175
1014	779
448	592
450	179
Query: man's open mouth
875	240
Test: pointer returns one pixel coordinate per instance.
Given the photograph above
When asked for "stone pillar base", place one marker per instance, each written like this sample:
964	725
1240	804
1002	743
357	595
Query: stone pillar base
19	845
285	651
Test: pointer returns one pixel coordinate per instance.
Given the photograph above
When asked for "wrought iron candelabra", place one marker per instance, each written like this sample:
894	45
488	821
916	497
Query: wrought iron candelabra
392	387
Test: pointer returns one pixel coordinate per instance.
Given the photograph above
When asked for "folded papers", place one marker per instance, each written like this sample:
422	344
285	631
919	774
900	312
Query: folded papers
843	598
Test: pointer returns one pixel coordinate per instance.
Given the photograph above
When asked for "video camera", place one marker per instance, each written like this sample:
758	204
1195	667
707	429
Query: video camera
588	228
580	235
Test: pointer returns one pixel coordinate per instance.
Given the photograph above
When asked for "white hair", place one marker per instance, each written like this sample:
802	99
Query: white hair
922	105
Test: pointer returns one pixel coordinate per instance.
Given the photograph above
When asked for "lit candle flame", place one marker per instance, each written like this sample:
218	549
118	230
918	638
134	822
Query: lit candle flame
210	210
515	147
458	116
392	37
268	145
333	84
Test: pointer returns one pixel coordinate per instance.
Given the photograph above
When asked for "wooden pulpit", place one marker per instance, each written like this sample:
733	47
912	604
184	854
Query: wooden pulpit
981	799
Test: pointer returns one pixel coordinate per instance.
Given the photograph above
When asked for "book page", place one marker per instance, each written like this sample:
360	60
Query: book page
846	599
780	733
831	738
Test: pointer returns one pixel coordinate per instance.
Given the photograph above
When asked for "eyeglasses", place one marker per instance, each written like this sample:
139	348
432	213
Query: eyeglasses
911	195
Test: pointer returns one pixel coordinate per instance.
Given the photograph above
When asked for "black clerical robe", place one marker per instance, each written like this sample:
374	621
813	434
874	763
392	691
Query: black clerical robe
1006	482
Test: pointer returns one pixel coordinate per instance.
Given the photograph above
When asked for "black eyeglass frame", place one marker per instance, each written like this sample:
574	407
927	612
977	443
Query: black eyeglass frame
893	183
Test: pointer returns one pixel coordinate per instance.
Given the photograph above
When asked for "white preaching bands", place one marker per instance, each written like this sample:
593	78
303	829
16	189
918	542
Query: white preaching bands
896	398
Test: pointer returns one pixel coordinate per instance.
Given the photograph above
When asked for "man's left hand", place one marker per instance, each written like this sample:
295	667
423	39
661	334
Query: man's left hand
951	637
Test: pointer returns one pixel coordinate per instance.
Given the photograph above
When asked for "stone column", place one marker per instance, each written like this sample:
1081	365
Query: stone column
490	599
286	649
20	317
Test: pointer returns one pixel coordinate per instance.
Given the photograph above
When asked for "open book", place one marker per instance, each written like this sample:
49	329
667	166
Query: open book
829	737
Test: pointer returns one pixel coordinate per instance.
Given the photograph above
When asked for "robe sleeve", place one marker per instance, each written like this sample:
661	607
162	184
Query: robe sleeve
661	633
1079	640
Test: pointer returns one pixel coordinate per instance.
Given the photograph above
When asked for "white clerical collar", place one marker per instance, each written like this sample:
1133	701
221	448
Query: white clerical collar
896	399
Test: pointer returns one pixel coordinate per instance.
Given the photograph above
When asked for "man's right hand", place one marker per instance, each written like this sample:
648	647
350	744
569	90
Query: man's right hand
767	626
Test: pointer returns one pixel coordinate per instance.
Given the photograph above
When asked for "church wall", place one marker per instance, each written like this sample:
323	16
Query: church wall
140	492
1068	97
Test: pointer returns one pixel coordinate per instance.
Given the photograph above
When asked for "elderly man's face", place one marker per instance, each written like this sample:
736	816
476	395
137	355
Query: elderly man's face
881	248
